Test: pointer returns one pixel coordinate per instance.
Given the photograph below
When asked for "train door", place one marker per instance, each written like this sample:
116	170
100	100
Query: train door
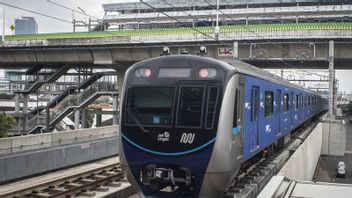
292	108
301	108
254	118
278	104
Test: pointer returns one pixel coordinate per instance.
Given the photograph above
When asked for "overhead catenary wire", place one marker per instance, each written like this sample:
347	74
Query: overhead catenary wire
249	29
35	12
190	15
175	19
73	10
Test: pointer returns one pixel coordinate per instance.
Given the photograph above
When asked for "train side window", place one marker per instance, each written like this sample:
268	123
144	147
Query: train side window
235	115
278	101
211	107
286	105
296	105
190	106
254	104
308	100
268	103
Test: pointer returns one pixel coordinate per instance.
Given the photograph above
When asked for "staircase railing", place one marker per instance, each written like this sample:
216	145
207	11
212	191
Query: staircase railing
69	101
37	120
105	84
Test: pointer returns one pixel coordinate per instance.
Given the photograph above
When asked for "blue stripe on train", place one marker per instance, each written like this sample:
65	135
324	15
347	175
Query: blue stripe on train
198	164
167	154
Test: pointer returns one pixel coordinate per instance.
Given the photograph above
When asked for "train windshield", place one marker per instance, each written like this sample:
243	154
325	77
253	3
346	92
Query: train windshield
154	106
150	106
190	106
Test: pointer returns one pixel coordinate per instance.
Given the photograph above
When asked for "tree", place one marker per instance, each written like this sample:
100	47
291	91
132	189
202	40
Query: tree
6	123
349	107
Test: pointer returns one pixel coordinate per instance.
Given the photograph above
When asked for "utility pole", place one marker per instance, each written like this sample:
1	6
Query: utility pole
3	23
331	79
217	29
73	21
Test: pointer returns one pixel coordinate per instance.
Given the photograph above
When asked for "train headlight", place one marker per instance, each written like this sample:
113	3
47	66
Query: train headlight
143	73
207	73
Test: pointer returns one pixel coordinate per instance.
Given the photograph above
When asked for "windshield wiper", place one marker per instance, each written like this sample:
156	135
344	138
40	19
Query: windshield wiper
136	121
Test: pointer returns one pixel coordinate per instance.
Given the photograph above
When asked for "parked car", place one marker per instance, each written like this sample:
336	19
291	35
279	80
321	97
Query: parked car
341	169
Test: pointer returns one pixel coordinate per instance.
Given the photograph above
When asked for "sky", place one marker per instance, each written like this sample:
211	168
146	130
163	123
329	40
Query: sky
93	8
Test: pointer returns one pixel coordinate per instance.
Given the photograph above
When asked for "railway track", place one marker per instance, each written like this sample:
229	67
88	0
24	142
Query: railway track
249	183
76	185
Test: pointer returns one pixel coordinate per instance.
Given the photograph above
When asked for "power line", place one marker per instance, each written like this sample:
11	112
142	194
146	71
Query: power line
190	15
173	18
73	10
35	12
249	29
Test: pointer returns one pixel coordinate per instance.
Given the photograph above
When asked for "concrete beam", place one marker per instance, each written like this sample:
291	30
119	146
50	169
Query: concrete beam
303	54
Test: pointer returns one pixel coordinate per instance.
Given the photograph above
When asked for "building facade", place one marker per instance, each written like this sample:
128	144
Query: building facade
26	25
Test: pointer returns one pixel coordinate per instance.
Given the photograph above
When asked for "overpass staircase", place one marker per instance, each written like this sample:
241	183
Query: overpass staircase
70	99
32	88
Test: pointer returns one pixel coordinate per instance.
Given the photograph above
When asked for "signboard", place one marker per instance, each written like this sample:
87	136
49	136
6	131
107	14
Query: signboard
225	51
12	27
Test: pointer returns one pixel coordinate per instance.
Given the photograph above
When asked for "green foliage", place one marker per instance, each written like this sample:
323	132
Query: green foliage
350	106
6	123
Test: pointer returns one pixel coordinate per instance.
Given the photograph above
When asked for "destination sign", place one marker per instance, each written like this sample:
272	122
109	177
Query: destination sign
174	72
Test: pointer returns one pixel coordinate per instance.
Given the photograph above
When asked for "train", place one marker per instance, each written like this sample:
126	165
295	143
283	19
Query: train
189	124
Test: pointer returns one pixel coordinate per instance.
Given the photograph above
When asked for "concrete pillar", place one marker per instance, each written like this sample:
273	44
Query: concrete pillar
120	78
47	118
98	118
235	50
17	110
116	104
84	118
335	99
25	111
17	103
331	79
77	118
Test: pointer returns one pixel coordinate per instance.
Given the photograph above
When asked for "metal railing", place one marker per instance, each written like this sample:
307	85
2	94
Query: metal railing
37	120
99	86
69	101
104	84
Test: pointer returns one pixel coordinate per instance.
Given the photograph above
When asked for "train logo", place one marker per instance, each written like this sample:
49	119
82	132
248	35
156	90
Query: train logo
164	137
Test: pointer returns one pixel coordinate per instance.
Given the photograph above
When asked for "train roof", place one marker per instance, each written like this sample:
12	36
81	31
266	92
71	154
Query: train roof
251	70
236	66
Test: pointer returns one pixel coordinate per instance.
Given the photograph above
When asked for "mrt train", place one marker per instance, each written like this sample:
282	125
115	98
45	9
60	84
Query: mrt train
189	123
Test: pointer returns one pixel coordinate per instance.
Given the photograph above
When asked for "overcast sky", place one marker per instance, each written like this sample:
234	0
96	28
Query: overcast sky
94	8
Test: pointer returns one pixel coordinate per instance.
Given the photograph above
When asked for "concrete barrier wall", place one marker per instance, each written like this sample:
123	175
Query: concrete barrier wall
303	162
17	166
29	142
334	137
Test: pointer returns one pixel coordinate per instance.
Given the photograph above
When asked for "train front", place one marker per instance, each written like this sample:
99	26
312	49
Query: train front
168	123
